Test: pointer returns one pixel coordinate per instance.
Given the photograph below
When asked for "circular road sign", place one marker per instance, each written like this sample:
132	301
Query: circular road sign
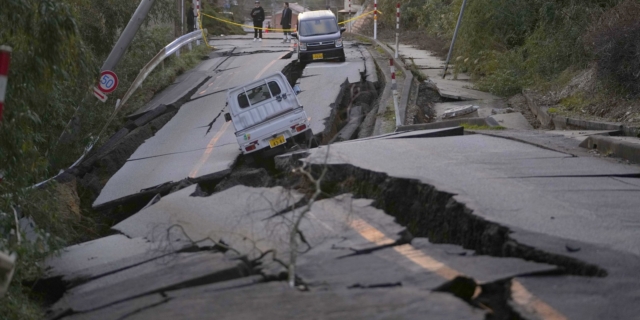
108	81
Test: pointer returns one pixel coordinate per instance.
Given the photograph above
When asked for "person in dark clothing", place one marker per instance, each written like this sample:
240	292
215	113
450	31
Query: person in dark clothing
190	18
285	22
258	17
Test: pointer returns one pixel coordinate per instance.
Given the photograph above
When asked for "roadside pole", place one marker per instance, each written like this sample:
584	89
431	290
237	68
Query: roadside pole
375	19
394	88
453	41
397	27
127	35
197	5
5	59
349	15
181	17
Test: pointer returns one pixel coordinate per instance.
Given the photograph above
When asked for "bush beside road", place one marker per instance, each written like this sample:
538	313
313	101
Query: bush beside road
50	117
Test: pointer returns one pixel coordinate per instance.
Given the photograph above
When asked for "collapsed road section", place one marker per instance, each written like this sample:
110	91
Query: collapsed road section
386	234
192	147
441	224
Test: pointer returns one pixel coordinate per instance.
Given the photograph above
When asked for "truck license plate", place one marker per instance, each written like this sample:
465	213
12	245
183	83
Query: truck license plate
317	56
277	141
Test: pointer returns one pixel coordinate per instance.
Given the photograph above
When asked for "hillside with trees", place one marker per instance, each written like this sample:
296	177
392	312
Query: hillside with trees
579	57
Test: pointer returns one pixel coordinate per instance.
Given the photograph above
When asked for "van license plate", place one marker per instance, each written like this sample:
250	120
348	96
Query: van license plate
317	56
277	141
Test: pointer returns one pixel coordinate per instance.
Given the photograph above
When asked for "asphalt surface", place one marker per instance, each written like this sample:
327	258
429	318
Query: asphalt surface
190	145
578	207
197	253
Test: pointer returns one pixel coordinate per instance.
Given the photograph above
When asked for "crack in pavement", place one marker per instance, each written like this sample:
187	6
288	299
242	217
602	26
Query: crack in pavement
357	252
210	125
525	142
180	152
375	286
208	94
246	53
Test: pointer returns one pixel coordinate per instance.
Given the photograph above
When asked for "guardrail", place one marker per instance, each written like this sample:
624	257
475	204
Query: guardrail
167	51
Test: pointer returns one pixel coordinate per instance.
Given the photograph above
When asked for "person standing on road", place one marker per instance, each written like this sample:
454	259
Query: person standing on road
257	14
190	18
285	22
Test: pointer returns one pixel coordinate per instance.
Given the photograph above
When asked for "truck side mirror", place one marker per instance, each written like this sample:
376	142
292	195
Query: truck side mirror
294	35
227	117
297	89
343	29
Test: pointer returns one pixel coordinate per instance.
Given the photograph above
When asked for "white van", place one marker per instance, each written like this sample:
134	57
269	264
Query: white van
266	113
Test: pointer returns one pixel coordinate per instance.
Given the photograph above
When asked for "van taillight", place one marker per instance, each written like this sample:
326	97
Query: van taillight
299	127
251	146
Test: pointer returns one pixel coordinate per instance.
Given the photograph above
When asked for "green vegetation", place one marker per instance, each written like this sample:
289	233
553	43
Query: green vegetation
552	110
575	102
508	45
468	126
217	27
416	72
58	48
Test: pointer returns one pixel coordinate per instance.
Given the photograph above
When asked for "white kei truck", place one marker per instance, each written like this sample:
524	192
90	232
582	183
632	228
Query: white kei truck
266	113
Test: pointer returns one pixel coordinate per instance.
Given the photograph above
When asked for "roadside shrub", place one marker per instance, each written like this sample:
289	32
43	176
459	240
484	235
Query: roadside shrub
58	46
615	42
509	44
217	27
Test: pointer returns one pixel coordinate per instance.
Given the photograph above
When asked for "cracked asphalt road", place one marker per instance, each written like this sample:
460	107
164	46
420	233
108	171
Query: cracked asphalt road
409	226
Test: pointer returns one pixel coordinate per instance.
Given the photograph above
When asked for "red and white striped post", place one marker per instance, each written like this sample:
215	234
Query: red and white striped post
375	19
5	58
394	89
397	27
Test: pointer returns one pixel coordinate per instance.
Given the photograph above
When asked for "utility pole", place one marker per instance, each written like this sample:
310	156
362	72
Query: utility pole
453	41
127	35
349	15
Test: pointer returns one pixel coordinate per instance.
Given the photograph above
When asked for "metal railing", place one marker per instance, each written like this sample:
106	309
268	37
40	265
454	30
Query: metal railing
167	51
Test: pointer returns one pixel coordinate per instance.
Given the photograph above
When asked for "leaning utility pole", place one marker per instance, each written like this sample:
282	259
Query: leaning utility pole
453	41
127	35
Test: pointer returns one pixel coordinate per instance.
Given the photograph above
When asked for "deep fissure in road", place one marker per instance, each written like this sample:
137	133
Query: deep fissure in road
436	215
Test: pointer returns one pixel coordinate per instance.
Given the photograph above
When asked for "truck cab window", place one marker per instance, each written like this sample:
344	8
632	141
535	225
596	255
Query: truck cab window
258	94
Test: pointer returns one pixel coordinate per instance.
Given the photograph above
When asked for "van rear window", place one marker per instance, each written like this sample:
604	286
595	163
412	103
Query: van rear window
258	94
318	27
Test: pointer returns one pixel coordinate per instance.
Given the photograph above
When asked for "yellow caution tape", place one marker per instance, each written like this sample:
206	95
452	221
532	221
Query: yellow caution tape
274	29
246	26
204	37
359	17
